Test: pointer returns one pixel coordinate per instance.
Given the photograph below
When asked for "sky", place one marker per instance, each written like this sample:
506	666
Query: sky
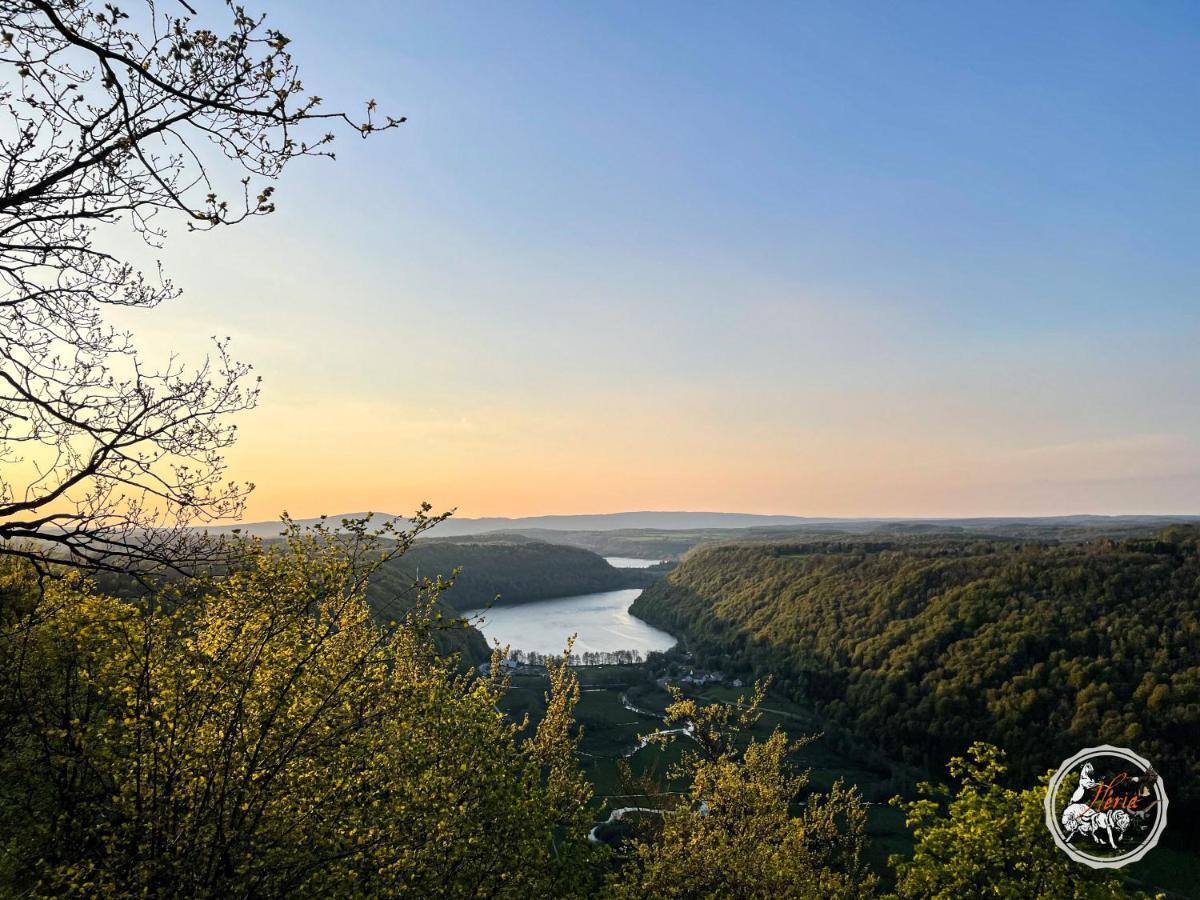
867	259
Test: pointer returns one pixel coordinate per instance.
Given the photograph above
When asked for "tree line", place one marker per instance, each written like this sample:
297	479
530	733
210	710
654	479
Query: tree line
586	658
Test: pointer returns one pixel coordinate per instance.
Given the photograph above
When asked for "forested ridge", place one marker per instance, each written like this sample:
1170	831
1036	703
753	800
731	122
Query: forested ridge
926	647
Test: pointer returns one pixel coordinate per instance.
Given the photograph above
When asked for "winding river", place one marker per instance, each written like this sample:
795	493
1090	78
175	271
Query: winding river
602	622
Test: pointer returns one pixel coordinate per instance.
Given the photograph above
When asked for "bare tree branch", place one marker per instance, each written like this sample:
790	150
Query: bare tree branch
112	115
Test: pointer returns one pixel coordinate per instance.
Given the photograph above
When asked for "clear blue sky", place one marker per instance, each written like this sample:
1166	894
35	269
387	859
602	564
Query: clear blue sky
826	258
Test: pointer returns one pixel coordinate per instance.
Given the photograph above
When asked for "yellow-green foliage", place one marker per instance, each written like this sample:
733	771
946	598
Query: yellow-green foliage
737	835
990	841
262	735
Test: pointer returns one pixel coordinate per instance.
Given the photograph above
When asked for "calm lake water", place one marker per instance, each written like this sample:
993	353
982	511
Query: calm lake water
630	562
602	622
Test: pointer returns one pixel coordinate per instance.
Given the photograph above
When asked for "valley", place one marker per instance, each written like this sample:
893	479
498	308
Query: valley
814	615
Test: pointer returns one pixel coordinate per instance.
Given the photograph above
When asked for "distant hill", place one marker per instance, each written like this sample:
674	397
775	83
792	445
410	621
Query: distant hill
455	527
654	543
538	526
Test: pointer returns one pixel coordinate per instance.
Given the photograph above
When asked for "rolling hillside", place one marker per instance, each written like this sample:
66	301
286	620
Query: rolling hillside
924	647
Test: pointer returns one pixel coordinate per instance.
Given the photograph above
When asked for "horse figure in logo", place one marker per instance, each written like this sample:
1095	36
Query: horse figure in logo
1079	818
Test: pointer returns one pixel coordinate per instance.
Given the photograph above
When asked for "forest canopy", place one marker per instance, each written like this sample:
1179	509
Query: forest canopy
924	647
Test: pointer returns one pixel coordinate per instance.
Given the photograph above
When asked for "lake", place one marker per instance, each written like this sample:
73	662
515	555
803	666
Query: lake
602	622
630	562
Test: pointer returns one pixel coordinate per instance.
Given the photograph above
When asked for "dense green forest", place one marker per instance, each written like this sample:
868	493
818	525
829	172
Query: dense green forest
925	646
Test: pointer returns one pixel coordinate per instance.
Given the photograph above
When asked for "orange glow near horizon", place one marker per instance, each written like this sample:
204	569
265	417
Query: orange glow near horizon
359	460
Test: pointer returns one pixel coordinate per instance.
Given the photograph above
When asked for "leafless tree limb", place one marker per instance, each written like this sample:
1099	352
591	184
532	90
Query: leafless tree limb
112	115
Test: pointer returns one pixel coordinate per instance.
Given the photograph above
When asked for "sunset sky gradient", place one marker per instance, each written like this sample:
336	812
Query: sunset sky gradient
924	259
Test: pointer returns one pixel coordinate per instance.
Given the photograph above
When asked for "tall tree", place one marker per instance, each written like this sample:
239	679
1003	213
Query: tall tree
736	832
132	115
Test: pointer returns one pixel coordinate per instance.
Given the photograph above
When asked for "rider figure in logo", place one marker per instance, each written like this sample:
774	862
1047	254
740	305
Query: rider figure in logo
1086	783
